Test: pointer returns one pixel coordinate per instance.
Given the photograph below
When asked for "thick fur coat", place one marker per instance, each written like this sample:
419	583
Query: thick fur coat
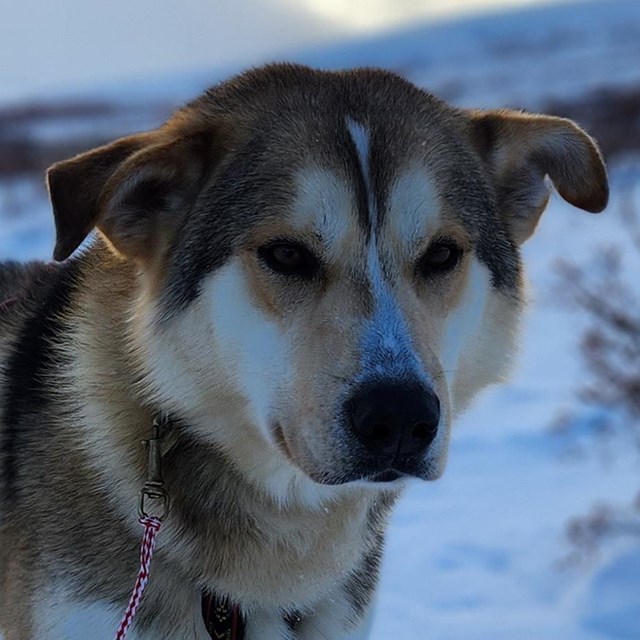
311	273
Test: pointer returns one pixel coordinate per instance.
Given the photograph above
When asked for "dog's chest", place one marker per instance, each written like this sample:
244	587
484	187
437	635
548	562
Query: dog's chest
288	560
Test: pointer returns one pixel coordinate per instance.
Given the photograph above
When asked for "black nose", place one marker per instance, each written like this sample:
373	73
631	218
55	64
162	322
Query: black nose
395	419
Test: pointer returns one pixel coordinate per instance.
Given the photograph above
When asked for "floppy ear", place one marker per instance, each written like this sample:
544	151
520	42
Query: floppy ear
134	190
521	149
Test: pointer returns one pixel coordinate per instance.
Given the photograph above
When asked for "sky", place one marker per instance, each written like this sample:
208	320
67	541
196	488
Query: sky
69	44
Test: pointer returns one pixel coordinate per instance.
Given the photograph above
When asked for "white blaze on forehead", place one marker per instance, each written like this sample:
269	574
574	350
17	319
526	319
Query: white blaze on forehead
413	210
324	203
388	352
360	137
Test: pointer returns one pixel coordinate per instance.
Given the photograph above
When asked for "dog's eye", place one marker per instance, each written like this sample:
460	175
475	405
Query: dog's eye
289	258
442	256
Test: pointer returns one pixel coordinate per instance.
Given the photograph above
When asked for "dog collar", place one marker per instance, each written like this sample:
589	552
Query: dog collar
223	620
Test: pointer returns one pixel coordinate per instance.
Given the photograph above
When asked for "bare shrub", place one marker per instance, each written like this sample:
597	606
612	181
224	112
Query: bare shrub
610	349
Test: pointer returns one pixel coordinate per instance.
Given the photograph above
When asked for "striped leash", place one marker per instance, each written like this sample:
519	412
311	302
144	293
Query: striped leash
222	619
153	493
151	527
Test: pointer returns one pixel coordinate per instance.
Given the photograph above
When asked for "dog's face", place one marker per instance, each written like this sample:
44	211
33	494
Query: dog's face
330	262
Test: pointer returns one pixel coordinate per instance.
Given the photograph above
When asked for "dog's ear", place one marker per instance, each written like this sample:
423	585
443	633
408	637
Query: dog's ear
134	190
521	149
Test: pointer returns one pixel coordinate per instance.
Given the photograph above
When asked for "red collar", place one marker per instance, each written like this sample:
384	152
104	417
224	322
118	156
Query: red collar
222	619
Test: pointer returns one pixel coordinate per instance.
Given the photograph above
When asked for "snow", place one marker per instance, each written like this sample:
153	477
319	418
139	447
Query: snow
26	221
478	554
612	608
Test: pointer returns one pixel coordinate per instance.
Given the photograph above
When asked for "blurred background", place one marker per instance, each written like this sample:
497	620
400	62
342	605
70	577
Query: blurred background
534	531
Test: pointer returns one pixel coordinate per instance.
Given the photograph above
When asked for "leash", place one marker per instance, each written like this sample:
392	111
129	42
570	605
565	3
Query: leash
223	620
151	527
152	490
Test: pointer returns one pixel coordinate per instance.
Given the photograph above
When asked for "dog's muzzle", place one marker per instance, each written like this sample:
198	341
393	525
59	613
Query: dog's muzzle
395	424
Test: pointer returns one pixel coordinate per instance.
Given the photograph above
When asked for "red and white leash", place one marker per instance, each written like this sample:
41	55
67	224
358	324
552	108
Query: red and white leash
221	618
152	490
151	527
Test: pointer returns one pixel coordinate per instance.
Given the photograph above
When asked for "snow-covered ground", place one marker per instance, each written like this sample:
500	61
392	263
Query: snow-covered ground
476	555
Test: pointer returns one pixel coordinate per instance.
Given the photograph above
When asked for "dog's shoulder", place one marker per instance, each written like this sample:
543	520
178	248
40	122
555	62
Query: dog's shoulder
32	297
22	287
24	284
18	281
14	275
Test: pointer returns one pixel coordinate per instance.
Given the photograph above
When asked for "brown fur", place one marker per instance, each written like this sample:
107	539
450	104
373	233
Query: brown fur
274	510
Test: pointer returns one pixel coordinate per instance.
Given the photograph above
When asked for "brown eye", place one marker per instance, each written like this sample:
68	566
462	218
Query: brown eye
442	256
289	258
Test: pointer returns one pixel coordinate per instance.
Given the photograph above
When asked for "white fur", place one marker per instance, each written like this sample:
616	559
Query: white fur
258	358
360	137
387	348
65	620
328	618
224	342
325	204
413	211
220	342
463	323
479	339
251	344
387	351
267	625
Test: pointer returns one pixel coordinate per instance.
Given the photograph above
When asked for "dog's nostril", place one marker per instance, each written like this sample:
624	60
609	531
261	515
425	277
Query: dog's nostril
380	431
423	431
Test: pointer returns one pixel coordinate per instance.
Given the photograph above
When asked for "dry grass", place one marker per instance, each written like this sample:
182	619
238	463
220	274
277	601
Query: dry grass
34	136
612	116
610	347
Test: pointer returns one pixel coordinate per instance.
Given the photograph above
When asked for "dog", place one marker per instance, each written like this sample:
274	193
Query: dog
306	276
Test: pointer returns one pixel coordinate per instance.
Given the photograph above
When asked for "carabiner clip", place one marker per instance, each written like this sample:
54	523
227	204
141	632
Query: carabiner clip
153	489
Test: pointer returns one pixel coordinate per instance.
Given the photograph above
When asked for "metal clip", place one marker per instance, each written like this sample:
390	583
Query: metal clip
153	489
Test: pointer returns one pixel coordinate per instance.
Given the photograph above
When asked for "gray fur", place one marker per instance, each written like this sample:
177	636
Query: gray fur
79	378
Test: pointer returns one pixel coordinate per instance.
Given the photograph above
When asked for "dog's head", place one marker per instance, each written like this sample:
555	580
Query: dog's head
329	262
